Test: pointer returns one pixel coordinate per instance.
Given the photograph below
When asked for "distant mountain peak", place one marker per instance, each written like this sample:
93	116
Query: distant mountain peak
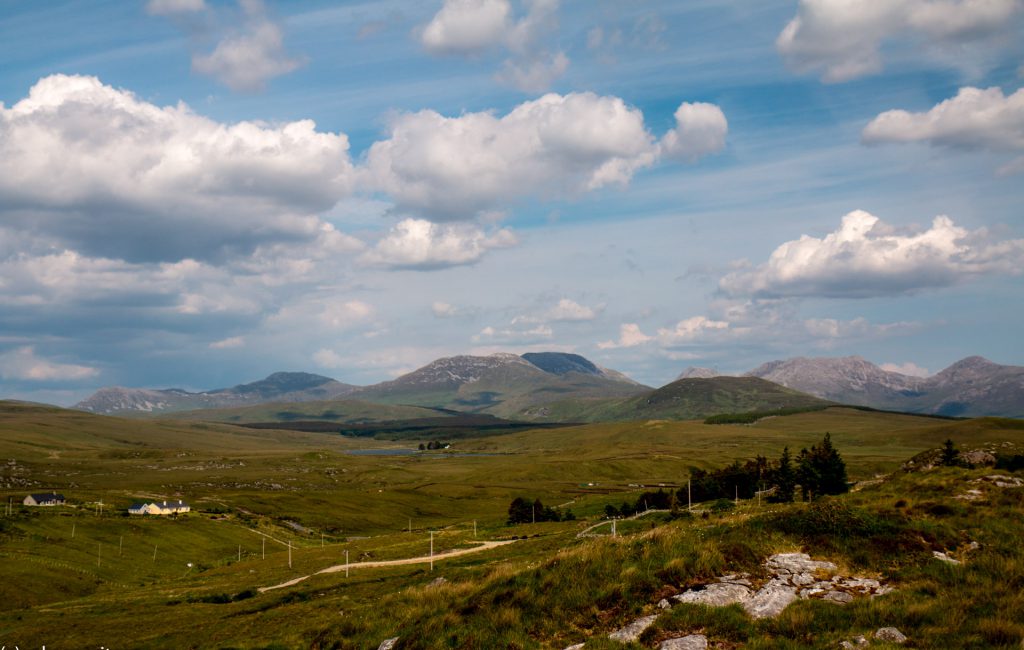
560	363
278	387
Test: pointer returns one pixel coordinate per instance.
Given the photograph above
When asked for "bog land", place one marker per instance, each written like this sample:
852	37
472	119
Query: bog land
270	506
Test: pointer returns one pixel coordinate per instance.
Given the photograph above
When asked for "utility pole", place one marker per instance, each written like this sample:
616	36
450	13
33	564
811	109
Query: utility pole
321	540
737	494
154	552
431	550
289	554
264	548
410	525
346	562
99	553
689	496
474	529
73	530
239	552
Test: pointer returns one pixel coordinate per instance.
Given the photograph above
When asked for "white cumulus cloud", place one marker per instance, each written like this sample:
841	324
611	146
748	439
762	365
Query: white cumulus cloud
23	364
974	119
843	39
908	368
630	336
471	27
700	130
106	172
250	55
866	257
557	145
467	26
570	310
424	245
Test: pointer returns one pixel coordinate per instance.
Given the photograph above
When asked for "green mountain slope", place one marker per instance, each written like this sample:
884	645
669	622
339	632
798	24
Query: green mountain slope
684	399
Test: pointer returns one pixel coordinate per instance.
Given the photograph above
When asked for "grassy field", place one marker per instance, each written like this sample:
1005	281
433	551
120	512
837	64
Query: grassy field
95	573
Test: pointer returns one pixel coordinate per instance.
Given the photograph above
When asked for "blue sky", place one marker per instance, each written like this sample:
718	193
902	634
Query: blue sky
197	193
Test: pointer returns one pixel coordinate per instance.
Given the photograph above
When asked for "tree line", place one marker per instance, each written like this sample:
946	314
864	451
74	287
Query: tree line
816	472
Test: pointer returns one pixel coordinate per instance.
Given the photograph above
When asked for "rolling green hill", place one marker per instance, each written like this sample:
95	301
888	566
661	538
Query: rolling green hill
684	399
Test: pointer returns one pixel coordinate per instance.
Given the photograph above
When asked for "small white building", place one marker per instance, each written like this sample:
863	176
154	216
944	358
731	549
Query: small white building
44	499
159	508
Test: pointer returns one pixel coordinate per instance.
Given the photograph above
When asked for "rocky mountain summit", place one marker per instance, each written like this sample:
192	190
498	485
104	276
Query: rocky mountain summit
971	387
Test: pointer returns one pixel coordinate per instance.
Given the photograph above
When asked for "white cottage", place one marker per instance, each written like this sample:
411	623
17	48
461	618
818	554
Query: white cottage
44	499
159	508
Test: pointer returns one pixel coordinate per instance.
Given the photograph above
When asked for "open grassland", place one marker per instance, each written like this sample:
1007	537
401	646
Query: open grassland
340	410
256	492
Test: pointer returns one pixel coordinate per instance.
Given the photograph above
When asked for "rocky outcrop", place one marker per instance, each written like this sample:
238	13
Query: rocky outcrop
795	576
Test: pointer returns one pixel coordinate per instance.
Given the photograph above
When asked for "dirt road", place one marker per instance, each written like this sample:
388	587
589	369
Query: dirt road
425	559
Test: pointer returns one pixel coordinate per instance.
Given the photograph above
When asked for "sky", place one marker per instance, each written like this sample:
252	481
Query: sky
197	193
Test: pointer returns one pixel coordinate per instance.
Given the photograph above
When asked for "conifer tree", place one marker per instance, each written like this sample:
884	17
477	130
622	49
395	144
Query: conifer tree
785	479
950	455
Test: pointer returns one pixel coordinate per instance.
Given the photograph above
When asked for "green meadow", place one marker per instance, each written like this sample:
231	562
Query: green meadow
86	574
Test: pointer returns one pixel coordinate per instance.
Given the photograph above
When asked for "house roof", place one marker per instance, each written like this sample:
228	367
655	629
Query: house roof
47	496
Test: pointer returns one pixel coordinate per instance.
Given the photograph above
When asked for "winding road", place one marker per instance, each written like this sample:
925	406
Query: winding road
382	563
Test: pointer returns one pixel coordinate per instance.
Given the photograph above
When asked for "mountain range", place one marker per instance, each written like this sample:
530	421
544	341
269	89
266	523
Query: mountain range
970	387
556	386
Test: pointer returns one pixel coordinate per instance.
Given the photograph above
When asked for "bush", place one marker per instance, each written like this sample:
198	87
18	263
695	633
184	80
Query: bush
722	505
828	516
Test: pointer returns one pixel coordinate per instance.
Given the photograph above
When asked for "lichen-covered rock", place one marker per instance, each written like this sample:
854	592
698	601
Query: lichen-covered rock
856	642
716	594
691	642
632	632
664	604
979	457
790	563
388	644
771	599
890	634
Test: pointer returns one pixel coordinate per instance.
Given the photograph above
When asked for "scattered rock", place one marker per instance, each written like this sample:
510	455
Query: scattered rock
841	597
716	594
632	632
691	642
939	555
856	642
890	634
1001	480
388	644
437	582
979	457
664	604
578	646
970	495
